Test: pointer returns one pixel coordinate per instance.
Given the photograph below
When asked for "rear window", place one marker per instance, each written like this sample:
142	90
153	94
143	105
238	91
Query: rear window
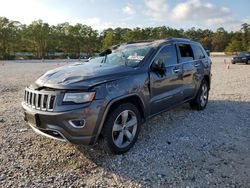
186	53
198	52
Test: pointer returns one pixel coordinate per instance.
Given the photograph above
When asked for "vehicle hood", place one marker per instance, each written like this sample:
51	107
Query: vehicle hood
82	75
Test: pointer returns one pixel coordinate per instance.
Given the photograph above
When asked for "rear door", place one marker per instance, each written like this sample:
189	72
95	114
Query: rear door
201	62
186	59
165	87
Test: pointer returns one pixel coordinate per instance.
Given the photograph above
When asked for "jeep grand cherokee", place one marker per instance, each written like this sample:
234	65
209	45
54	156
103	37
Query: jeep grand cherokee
111	96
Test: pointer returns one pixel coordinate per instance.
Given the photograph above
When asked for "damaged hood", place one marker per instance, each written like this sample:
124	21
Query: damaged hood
82	75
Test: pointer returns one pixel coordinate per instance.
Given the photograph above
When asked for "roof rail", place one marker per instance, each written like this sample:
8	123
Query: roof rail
139	41
179	39
129	42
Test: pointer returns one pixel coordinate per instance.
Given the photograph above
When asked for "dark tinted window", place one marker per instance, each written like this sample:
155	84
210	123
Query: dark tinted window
168	55
186	53
198	52
244	54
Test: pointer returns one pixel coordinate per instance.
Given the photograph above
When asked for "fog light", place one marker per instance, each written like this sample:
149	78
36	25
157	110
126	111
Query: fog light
77	123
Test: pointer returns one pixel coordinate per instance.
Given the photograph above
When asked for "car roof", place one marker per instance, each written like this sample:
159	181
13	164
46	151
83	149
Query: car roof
156	43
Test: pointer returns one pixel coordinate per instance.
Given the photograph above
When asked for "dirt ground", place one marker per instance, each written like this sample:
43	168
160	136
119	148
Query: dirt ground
179	148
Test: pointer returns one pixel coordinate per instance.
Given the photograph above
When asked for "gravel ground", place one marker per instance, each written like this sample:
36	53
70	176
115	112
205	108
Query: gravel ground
179	148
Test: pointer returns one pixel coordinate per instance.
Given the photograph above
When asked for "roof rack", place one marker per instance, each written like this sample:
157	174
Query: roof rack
179	39
171	39
139	41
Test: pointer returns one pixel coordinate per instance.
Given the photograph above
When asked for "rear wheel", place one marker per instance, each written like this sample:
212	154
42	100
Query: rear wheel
121	128
201	99
248	62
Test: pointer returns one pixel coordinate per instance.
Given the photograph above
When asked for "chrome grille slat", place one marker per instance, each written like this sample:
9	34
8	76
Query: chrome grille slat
40	100
32	99
36	103
48	102
29	98
41	104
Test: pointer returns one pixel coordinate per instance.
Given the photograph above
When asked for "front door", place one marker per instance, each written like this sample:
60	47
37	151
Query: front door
165	87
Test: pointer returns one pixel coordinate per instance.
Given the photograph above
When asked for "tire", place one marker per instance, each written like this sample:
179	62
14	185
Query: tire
248	62
121	129
201	99
233	62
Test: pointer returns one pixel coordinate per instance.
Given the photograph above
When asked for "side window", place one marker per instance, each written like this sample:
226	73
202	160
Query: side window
186	52
167	55
198	52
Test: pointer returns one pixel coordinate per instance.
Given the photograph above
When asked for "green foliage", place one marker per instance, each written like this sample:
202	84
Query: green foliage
108	40
245	35
234	47
40	40
9	36
36	36
220	40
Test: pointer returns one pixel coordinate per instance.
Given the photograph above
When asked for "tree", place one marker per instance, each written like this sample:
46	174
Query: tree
220	40
9	36
37	37
245	37
108	40
234	47
43	39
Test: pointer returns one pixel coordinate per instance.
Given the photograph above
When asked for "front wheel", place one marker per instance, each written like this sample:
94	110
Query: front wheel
201	99
121	128
248	62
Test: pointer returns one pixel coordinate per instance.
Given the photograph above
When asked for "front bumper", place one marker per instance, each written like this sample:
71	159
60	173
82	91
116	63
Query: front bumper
57	124
239	60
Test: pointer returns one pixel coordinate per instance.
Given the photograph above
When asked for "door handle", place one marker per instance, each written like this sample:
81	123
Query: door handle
197	65
177	70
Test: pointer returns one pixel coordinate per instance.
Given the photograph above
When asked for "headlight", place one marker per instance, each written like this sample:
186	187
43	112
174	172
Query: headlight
79	97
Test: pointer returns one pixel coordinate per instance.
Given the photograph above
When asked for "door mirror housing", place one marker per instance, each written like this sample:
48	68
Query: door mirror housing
208	52
158	66
106	52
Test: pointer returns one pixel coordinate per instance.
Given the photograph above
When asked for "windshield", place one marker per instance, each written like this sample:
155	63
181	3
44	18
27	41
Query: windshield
244	53
129	55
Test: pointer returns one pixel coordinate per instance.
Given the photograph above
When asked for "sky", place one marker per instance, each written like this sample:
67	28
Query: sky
103	14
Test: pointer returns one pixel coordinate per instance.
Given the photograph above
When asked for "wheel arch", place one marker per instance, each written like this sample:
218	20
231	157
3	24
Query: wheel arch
135	99
207	78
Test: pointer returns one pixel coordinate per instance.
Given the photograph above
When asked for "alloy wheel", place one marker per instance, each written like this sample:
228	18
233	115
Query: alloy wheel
124	128
204	95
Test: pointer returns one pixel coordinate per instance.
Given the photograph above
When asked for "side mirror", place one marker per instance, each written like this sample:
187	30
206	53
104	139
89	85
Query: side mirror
106	52
158	66
208	52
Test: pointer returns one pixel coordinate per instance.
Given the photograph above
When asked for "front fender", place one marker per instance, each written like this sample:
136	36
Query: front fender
110	104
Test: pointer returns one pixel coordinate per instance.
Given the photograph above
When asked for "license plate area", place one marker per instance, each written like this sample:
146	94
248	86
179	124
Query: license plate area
31	118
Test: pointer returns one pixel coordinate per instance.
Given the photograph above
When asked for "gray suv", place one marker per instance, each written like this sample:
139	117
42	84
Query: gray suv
109	97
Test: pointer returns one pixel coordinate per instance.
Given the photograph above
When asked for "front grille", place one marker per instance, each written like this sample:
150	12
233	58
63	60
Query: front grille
39	100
